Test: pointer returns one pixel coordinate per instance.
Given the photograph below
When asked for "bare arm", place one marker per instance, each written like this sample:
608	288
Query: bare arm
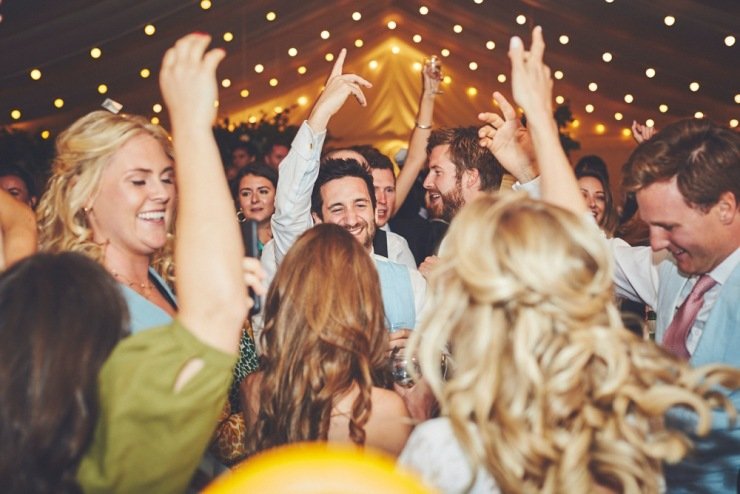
532	88
209	251
417	153
18	226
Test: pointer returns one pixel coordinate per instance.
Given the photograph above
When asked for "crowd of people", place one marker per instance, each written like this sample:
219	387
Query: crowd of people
133	361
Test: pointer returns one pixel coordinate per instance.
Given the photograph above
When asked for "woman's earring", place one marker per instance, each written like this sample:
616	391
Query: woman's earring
240	216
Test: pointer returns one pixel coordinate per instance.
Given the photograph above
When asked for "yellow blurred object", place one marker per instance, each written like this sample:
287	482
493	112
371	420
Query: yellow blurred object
318	468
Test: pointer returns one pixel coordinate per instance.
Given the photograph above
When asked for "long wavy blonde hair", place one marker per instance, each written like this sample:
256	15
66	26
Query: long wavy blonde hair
324	334
548	391
83	151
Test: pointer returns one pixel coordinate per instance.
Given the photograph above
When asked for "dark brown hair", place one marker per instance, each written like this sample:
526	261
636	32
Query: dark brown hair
703	156
60	317
466	154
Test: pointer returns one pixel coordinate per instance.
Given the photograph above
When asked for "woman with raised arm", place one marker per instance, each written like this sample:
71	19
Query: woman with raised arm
547	392
134	416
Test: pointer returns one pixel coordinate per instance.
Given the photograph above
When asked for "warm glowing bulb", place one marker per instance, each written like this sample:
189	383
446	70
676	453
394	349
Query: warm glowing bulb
416	66
278	109
359	43
445	52
472	91
96	52
154	120
490	45
416	38
589	108
737	98
271	16
228	37
628	98
35	74
244	93
373	64
457	28
292	52
102	88
559	100
45	134
447	79
302	69
273	82
395	50
592	86
669	20
650	122
600	128
205	4
626	132
730	40
694	87
156	108
252	119
356	16
144	73
302	100
59	103
564	39
259	68
329	57
607	57
501	78
699	114
521	20
325	34
575	123
650	72
392	25
226	83
149	29
663	108
473	66
558	74
733	123
423	10
15	114
618	116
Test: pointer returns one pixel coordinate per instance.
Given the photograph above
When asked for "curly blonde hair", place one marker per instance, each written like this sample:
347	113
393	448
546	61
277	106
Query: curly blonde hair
324	334
82	153
548	391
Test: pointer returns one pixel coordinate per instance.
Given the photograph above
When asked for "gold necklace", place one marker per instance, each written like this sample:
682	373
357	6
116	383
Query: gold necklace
145	289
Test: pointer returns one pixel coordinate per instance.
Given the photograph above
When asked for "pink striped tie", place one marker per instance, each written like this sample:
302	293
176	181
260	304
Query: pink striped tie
677	332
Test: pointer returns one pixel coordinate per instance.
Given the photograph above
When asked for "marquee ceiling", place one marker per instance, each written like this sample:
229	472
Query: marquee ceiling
56	37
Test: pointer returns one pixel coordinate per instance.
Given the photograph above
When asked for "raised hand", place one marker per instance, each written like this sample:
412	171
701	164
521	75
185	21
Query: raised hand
339	87
431	77
531	83
508	140
642	133
188	80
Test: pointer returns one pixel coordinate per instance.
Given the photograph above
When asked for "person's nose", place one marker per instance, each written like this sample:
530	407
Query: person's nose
659	239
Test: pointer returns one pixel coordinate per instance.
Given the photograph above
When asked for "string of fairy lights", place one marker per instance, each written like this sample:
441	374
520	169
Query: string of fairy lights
262	68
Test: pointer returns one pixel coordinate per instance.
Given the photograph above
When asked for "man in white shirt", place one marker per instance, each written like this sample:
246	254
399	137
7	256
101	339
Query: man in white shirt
340	192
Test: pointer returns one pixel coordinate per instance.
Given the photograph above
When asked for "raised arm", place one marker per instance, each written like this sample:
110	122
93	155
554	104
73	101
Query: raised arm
508	140
210	283
17	230
299	169
417	153
532	88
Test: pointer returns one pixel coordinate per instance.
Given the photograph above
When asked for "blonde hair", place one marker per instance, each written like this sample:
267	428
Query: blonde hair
548	391
83	151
